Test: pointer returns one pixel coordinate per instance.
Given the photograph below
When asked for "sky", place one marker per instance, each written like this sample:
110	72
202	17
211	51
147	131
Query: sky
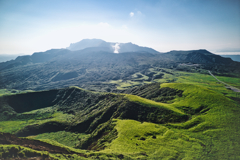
29	26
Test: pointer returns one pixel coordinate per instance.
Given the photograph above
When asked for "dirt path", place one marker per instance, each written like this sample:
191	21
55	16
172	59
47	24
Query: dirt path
226	85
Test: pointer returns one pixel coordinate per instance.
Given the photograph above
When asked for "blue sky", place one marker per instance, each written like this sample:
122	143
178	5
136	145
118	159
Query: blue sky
29	26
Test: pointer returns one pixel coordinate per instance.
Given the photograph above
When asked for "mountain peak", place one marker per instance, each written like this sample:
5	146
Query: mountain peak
113	47
86	43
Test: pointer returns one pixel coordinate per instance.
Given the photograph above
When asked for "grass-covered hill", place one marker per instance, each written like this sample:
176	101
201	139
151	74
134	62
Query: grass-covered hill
193	118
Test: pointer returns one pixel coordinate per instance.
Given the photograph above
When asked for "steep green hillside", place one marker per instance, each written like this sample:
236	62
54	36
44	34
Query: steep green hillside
211	133
187	120
79	110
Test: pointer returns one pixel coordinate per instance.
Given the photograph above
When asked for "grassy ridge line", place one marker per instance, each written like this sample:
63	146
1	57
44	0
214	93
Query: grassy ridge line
67	138
15	125
13	150
20	151
211	134
150	103
218	127
27	123
4	92
196	96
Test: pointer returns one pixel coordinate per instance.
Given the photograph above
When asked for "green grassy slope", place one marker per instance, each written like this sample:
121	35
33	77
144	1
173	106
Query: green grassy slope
211	133
169	75
193	118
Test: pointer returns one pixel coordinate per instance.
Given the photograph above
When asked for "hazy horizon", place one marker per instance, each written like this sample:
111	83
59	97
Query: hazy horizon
36	26
233	52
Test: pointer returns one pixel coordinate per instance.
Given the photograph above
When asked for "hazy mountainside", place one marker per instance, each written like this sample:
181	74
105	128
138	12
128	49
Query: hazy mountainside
6	57
82	67
93	66
37	57
233	57
171	121
129	47
199	56
88	43
109	46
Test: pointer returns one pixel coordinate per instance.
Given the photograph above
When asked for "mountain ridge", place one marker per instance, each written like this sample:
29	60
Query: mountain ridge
113	47
42	57
59	68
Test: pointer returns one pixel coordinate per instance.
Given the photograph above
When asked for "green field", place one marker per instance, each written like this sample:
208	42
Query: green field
210	131
205	136
205	80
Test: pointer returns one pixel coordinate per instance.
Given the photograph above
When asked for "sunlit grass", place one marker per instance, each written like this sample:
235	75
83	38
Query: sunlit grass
125	84
209	82
151	141
235	82
14	125
67	138
150	103
12	91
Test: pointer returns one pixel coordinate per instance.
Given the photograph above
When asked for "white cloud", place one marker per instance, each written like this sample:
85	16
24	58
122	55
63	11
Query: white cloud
131	14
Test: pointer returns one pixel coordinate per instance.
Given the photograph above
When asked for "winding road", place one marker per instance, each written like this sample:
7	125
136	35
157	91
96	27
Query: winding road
226	85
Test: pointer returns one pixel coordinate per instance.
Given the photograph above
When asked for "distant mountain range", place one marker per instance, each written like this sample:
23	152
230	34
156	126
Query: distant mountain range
109	46
8	57
233	57
91	62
